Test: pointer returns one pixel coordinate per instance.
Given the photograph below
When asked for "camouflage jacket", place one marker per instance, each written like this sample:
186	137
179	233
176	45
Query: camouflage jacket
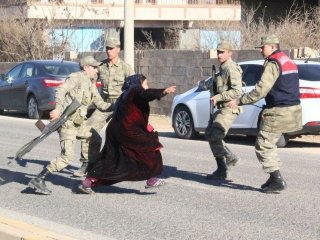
226	84
79	86
112	77
275	119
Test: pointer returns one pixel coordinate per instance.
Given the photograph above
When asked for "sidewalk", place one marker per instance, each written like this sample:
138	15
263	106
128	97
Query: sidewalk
19	226
161	123
11	229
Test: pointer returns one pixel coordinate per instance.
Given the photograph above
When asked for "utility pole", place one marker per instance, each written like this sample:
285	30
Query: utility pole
129	32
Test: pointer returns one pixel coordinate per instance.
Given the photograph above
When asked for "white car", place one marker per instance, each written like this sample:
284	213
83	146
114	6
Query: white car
190	110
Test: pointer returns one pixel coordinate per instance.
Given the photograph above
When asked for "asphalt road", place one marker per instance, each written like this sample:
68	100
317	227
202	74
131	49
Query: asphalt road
187	207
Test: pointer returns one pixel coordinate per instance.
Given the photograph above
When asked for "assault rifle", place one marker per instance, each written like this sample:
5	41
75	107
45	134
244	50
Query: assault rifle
213	91
46	130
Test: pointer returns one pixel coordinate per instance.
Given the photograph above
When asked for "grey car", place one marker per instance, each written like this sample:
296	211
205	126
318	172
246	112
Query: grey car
30	86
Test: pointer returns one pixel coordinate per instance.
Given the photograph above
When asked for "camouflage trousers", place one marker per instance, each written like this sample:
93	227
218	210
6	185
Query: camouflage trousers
266	150
218	128
89	134
68	134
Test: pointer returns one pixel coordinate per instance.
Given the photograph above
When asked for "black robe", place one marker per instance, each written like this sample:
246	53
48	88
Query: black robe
131	151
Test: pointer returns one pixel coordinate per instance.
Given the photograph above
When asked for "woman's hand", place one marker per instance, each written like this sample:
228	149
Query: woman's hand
170	89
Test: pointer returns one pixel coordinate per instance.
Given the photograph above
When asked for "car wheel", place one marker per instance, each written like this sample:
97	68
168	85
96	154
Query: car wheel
33	111
283	140
1	111
183	123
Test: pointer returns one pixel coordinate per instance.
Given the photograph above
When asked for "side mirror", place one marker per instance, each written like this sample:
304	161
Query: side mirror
201	85
7	78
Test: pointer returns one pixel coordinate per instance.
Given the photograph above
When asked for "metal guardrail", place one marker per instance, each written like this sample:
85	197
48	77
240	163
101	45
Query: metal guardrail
138	2
121	2
189	2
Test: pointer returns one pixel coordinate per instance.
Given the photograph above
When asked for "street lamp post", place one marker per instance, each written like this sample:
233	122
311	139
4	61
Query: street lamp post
129	32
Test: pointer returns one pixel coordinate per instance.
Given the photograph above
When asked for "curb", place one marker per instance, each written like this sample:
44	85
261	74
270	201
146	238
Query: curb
11	229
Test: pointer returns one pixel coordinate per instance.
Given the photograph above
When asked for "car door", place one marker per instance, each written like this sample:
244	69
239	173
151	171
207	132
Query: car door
7	97
249	117
21	84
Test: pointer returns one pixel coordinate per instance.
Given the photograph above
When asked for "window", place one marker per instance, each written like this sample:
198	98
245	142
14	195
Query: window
61	69
27	71
14	73
309	72
251	74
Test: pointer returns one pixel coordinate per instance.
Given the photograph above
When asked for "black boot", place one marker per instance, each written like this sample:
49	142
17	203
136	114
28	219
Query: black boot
231	159
39	184
82	171
221	172
274	184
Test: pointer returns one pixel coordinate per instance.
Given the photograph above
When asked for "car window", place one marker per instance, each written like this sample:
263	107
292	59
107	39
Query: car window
61	69
14	73
36	72
27	71
310	72
251	73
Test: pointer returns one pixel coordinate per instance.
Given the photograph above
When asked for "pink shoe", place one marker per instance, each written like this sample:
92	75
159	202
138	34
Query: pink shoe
85	190
85	186
154	182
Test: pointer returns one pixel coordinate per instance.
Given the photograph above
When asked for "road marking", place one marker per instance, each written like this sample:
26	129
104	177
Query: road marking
10	228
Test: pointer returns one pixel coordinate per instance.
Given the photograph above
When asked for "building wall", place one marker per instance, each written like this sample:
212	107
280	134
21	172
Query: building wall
181	67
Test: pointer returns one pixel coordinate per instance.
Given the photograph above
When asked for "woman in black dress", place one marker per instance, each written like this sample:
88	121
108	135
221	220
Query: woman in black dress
132	149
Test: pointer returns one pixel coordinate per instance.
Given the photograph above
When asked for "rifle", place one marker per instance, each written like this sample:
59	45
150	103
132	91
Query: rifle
46	130
213	91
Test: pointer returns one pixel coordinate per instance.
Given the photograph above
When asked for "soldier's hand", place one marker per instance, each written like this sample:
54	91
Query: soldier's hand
214	101
233	103
54	114
170	89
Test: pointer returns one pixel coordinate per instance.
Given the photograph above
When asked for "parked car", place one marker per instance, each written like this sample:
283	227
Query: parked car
190	110
30	86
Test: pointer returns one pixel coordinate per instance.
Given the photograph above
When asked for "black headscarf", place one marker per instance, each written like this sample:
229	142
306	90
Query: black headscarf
132	81
129	83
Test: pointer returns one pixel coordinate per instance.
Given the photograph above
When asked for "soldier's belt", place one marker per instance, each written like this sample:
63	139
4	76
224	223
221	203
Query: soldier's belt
111	100
222	105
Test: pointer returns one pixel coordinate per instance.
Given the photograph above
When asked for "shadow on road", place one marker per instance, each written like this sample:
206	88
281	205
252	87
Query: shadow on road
8	176
170	171
11	175
119	190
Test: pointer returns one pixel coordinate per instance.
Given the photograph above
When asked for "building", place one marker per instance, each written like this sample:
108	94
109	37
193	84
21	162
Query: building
88	22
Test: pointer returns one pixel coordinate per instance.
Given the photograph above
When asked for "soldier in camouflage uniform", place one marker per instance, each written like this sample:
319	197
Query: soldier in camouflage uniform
77	86
279	85
112	74
225	86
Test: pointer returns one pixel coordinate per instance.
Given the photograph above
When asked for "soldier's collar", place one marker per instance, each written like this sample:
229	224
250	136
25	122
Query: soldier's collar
223	65
116	64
